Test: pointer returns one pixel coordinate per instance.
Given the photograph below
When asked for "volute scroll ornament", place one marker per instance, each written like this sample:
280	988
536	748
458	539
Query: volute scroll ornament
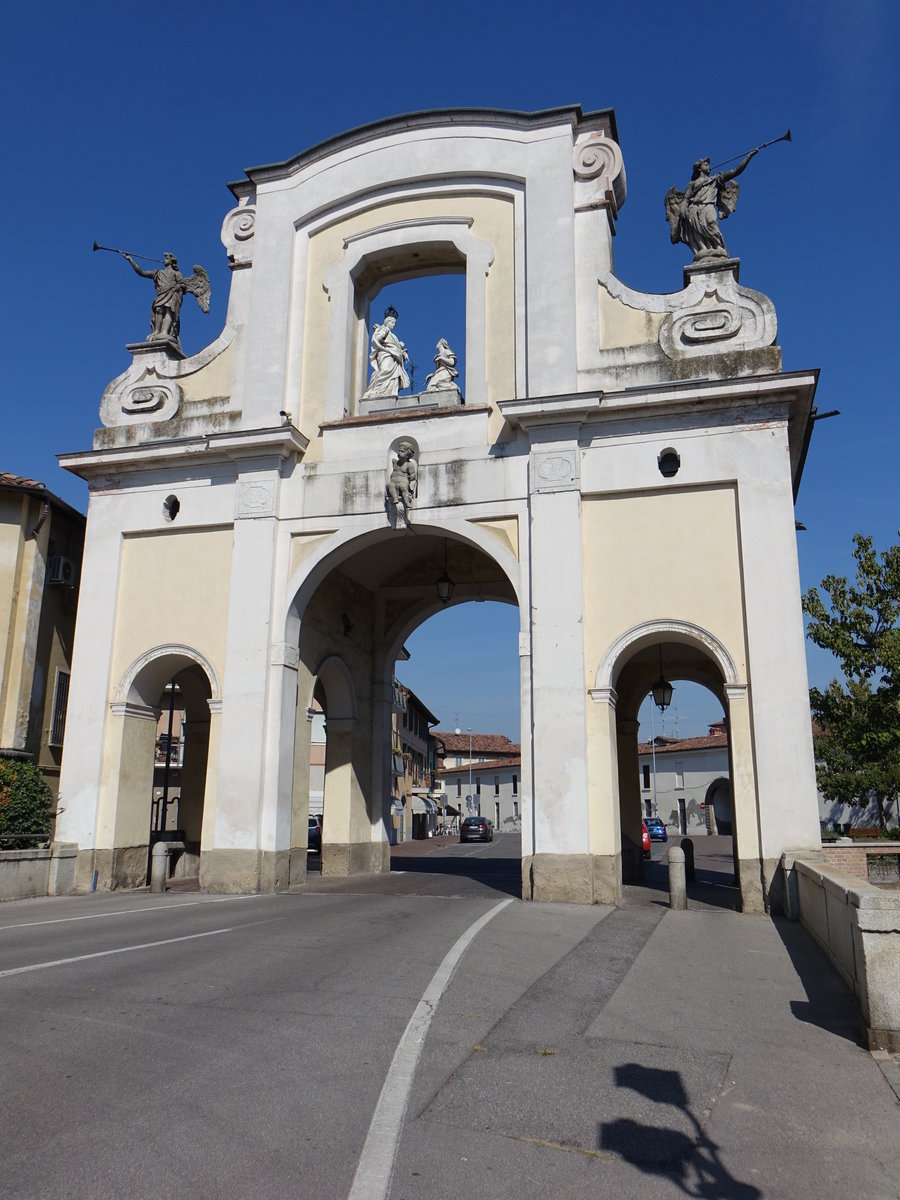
238	230
599	174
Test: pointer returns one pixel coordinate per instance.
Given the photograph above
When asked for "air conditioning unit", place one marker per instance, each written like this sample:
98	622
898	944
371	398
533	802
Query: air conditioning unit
60	570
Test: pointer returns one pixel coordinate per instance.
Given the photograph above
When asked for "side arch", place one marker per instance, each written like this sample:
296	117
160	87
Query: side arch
145	678
648	633
337	680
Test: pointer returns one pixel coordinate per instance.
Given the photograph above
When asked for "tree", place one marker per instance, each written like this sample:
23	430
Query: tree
26	805
857	722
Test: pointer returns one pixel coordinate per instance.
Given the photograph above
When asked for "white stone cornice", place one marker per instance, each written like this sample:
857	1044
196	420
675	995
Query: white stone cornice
604	695
215	707
143	712
277	443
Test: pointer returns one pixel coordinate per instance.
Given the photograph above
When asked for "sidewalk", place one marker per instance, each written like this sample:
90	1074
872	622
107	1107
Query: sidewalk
672	1054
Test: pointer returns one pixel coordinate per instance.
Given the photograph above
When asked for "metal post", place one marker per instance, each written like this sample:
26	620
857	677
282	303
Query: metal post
653	757
165	796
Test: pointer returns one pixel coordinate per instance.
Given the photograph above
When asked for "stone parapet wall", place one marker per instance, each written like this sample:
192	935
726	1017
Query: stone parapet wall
858	927
40	872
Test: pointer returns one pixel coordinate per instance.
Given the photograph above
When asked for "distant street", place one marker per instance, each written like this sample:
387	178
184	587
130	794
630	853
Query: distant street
426	1035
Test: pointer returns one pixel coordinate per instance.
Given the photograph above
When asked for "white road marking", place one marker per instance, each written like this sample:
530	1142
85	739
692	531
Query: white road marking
62	962
376	1163
127	912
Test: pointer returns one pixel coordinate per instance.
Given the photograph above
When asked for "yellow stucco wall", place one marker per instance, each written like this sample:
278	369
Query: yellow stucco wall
173	587
493	221
664	554
622	326
211	381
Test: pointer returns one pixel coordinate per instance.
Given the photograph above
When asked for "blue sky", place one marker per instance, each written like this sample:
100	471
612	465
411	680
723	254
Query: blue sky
124	122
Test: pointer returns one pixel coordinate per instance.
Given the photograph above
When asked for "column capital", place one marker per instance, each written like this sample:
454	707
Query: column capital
605	695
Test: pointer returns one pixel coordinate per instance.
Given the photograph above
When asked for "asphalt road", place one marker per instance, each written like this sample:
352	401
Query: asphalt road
424	1036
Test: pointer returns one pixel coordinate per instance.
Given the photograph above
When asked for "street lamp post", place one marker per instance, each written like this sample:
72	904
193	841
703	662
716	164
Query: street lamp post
469	798
469	728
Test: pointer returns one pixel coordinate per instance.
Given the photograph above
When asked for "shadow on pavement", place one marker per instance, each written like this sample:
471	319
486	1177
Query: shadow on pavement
714	886
499	873
691	1160
829	1002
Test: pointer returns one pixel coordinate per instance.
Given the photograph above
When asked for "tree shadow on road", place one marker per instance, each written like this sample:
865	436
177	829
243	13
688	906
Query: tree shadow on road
687	1155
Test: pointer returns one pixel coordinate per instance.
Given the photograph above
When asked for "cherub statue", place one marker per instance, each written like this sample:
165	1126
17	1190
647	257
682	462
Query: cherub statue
387	355
693	213
445	369
171	286
401	486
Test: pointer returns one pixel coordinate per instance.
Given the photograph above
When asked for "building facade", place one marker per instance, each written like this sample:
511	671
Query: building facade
318	517
685	782
41	540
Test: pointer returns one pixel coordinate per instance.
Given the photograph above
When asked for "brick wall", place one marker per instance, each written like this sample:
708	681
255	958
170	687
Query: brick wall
852	859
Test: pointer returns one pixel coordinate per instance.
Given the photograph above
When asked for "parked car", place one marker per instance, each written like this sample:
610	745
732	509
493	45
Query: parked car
645	839
658	831
314	837
476	829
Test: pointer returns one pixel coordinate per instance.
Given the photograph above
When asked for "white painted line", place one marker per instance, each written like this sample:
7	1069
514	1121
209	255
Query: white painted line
62	962
372	1180
127	912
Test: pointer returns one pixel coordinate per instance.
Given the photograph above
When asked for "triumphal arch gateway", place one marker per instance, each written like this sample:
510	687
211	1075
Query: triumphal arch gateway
269	518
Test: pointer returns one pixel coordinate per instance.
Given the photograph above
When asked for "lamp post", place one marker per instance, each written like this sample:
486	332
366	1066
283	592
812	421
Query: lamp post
469	731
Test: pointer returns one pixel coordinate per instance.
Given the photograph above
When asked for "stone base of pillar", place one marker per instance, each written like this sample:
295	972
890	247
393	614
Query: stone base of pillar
274	870
753	898
232	871
297	866
355	858
120	867
572	878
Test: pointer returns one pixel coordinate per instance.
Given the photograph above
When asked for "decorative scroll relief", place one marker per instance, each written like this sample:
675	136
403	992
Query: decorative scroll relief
554	471
149	399
238	229
140	395
599	174
255	498
718	315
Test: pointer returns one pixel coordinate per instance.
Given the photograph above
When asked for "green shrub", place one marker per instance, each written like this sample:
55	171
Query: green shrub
26	805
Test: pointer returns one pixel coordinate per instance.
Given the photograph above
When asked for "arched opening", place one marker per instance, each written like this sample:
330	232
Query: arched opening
353	614
161	727
674	779
430	307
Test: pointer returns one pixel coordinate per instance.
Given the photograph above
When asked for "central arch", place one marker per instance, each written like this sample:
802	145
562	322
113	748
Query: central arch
355	599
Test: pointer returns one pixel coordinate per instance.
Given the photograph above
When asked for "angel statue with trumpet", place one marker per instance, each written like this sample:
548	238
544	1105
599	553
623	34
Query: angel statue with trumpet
171	287
694	214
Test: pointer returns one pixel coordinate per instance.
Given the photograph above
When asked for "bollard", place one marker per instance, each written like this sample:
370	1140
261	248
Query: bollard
690	873
159	866
677	891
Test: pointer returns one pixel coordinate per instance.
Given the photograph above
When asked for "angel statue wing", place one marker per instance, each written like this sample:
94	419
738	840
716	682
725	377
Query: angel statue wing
728	194
674	200
198	285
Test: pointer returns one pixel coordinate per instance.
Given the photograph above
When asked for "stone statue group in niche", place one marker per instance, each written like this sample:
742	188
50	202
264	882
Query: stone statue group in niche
388	357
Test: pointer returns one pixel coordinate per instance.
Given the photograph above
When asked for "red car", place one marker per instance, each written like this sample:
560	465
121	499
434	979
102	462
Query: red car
645	839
